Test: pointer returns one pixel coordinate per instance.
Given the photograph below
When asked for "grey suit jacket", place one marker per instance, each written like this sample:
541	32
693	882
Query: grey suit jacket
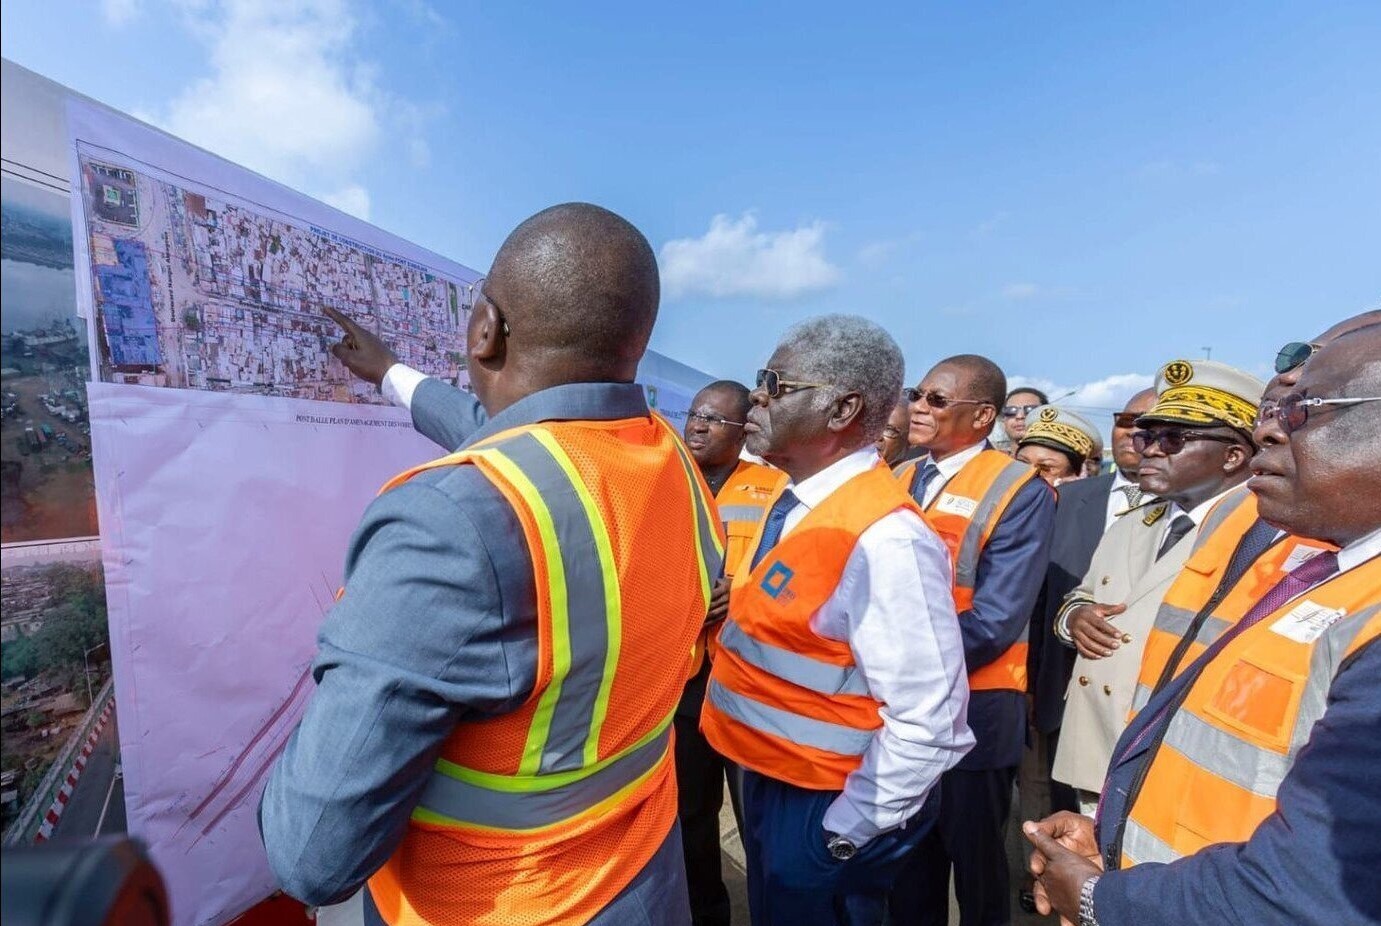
1124	570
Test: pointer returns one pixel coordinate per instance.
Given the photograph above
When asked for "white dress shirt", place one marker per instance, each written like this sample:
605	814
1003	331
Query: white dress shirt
1196	514
1359	551
895	608
1117	499
949	467
399	383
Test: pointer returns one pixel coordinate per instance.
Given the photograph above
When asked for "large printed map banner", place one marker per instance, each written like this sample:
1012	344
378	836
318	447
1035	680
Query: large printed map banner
233	456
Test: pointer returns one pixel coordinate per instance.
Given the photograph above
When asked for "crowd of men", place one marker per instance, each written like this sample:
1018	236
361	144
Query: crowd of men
860	607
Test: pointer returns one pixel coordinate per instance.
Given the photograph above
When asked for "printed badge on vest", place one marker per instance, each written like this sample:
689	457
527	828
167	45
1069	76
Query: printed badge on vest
956	504
775	582
1307	621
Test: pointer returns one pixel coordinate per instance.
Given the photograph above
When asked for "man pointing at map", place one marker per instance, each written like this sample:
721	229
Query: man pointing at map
489	737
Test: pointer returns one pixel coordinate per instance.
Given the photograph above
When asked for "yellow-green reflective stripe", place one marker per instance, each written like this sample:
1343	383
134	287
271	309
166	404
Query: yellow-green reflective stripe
971	546
556	587
457	796
709	551
613	601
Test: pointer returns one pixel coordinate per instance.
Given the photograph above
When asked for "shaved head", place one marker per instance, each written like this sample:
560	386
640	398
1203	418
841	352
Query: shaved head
579	283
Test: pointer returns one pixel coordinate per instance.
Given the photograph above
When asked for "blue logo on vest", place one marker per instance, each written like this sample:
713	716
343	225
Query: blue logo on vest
774	583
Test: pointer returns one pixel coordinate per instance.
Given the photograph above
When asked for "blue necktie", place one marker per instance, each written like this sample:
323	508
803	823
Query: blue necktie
923	479
776	520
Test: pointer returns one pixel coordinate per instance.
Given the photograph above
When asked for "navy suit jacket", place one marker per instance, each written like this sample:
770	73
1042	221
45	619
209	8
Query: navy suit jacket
1316	861
1010	571
1080	514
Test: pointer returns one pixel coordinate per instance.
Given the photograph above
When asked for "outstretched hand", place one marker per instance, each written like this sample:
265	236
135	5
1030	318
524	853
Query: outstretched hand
362	351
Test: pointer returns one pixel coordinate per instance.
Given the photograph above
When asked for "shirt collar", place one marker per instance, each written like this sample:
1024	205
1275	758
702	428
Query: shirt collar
568	402
814	490
1119	480
952	464
1197	513
1359	551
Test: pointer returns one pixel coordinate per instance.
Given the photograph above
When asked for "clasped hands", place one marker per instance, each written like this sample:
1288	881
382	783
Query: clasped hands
1066	855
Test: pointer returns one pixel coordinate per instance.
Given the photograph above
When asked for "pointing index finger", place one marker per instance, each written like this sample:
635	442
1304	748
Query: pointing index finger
340	318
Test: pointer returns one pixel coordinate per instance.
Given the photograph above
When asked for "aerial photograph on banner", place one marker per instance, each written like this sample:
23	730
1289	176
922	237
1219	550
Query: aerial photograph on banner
45	454
56	666
195	291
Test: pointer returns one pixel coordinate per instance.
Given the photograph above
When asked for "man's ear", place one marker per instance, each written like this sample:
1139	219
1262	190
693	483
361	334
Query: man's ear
846	408
485	333
1236	458
983	417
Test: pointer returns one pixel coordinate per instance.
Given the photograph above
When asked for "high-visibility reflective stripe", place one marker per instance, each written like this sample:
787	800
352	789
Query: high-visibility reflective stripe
711	559
1178	621
1141	845
806	731
456	796
970	548
586	641
1327	654
906	472
1250	767
1140	697
741	512
1219	514
561	724
823	677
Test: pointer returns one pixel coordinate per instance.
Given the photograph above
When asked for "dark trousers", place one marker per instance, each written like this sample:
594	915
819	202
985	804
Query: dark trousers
792	878
700	776
1062	796
969	836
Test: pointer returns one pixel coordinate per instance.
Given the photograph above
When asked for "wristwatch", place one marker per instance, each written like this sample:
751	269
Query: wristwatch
1086	915
840	847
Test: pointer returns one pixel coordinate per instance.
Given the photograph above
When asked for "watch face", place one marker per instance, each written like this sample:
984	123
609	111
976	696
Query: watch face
841	848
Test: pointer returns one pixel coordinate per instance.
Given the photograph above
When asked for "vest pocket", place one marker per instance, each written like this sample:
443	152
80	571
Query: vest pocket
1258	702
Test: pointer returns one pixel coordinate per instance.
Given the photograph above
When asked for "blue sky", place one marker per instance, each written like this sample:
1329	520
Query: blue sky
1081	192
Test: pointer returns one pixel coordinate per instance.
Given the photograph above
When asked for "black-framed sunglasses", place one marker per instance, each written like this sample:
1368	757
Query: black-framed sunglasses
1172	440
1292	410
936	400
477	293
771	382
1293	355
1014	411
715	420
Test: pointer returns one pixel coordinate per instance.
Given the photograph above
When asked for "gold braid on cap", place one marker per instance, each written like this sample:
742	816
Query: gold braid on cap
1063	434
1200	404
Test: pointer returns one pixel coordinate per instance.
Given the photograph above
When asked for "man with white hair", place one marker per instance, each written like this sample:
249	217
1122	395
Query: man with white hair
840	684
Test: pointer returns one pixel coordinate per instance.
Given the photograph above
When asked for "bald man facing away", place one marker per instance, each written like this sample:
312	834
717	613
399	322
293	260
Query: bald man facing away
489	739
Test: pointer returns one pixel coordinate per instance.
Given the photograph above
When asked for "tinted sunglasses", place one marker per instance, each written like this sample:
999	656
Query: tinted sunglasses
1012	411
1172	440
936	400
719	420
771	382
1293	355
1292	411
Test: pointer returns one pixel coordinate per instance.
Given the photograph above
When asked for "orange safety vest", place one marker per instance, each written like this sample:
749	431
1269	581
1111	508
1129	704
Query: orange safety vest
1235	736
543	815
742	504
781	699
1189	600
964	514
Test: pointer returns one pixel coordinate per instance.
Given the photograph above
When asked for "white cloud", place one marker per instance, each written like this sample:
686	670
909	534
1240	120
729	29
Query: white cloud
119	12
1020	290
733	258
1094	399
289	95
353	199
